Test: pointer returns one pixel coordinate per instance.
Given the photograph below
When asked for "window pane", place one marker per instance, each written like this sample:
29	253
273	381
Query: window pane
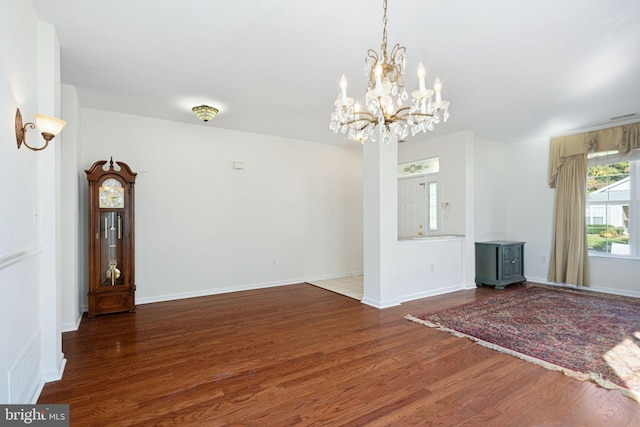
604	181
608	201
433	206
610	234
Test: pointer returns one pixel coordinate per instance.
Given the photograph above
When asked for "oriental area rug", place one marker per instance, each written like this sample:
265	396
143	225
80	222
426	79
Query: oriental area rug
588	336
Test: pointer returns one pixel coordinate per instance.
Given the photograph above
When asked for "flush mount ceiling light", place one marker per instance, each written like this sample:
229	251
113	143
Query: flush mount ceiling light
49	127
385	96
204	112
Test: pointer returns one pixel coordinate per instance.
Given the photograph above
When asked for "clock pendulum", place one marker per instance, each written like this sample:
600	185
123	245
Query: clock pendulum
112	272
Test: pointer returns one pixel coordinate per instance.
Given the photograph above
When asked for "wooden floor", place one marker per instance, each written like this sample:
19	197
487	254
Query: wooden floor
301	355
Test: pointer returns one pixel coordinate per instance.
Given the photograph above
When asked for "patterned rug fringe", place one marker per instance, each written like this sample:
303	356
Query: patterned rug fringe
568	372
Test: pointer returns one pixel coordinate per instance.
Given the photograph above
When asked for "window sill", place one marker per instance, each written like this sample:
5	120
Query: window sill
613	257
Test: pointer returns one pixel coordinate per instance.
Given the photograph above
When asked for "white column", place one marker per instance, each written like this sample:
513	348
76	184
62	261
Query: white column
52	362
380	223
469	260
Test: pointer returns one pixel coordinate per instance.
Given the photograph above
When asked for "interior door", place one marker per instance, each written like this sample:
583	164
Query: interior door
412	204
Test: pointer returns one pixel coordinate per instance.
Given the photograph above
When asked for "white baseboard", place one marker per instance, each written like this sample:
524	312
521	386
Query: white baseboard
71	326
36	394
634	294
432	293
55	374
49	377
380	304
238	288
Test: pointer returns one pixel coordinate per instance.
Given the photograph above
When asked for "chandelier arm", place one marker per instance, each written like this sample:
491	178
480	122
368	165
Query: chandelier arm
398	51
400	111
373	55
363	127
399	114
366	113
369	121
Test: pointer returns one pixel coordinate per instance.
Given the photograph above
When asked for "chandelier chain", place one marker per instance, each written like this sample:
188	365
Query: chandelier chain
383	47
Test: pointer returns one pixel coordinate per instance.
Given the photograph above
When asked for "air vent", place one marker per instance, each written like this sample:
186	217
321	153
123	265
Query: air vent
625	116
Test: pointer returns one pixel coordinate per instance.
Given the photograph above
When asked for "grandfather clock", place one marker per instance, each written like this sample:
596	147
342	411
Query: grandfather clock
111	238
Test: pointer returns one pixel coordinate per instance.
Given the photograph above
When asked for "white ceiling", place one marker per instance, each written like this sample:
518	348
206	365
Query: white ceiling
512	70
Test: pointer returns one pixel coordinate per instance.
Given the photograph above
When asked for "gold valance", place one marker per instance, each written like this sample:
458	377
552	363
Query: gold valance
624	139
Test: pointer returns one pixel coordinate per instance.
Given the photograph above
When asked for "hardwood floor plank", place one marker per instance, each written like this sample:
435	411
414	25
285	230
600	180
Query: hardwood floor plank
302	355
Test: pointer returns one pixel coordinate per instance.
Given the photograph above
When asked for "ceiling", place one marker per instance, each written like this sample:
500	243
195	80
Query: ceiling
512	70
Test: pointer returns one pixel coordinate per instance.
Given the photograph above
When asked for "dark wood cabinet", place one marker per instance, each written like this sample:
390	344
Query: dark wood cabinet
111	238
499	263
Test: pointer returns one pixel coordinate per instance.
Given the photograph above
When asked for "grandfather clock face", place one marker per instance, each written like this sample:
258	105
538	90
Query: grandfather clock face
111	194
111	197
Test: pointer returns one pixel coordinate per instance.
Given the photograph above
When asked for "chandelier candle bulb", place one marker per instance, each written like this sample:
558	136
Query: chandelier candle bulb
438	88
343	87
379	76
421	74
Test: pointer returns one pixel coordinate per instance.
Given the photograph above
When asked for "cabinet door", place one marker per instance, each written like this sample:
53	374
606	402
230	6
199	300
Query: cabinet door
511	262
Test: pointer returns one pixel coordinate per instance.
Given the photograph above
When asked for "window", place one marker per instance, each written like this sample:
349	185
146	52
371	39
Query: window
612	214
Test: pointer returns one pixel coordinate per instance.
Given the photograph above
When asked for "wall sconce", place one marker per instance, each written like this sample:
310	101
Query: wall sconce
49	126
204	112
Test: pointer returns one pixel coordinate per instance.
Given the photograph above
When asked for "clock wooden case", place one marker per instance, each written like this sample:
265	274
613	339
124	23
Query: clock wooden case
111	238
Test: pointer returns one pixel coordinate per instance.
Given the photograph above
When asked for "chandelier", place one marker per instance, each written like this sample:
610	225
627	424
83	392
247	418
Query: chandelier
385	97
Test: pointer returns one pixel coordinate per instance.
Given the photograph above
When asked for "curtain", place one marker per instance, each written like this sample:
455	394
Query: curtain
568	175
569	252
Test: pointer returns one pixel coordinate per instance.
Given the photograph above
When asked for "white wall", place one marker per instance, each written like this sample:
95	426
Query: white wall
491	190
428	267
202	227
29	307
530	204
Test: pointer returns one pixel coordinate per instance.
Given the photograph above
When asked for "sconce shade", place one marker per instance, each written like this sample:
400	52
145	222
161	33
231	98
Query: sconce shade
204	112
49	125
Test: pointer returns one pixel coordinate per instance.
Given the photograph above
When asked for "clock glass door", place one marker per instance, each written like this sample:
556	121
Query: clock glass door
111	260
